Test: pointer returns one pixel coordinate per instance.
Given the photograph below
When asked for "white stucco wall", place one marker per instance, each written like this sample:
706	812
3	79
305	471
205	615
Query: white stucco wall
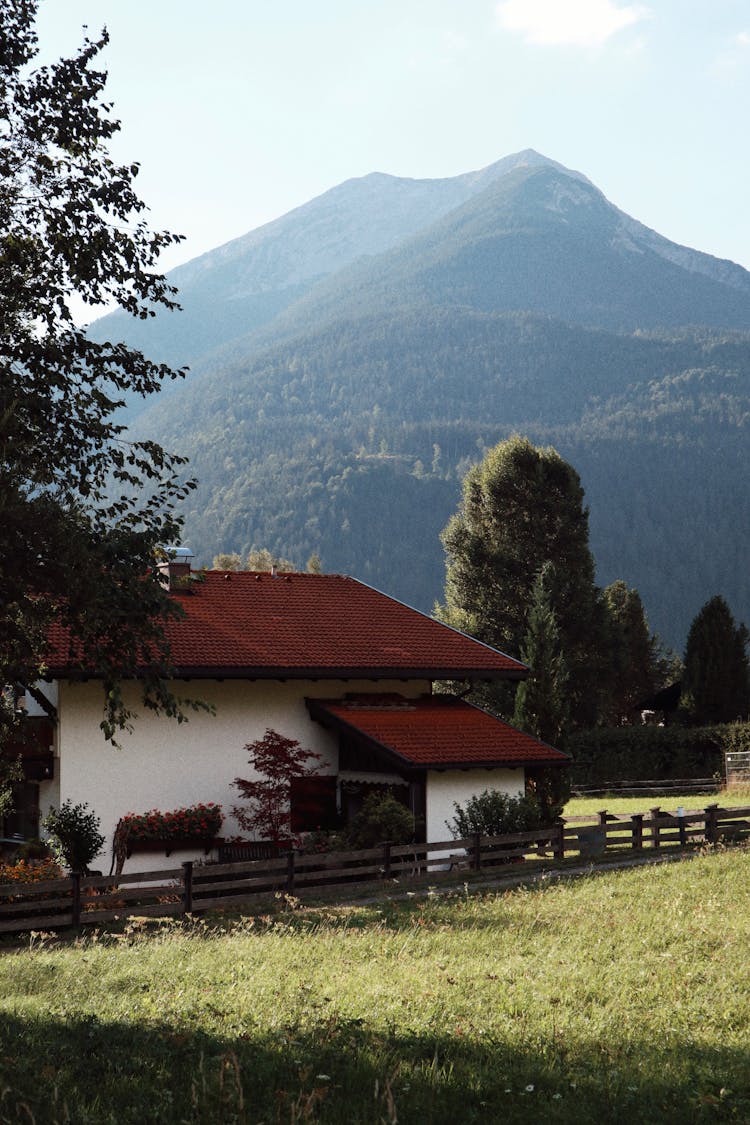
444	787
166	765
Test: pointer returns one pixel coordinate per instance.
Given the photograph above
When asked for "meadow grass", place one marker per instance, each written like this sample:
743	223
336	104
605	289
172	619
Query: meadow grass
617	997
735	797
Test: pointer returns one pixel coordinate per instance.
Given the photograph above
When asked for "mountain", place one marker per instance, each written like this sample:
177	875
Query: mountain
245	284
351	359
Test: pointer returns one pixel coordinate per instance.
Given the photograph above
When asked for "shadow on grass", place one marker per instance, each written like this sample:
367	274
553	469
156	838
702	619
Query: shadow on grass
88	1072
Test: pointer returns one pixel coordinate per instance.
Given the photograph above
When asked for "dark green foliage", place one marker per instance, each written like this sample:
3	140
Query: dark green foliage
640	753
522	508
550	786
75	839
636	667
10	773
379	820
83	511
542	707
716	684
492	813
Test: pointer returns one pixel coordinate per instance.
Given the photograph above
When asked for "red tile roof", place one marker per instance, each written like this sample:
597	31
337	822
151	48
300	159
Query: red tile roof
438	731
245	624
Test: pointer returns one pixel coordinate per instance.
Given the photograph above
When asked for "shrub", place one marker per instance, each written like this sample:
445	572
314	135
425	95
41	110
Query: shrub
493	813
319	842
380	819
34	849
74	834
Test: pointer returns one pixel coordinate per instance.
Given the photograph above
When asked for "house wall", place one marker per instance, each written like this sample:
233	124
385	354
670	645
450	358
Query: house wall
166	765
444	787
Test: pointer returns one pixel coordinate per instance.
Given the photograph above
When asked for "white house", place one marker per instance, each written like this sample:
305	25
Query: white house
324	659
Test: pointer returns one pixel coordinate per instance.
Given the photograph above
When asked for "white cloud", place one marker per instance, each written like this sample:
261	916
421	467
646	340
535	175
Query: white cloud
578	23
742	39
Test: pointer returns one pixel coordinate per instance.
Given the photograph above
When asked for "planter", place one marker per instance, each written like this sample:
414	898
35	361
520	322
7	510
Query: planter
166	845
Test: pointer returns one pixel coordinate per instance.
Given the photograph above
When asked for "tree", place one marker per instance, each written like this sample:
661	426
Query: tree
716	684
277	760
522	507
542	707
260	558
636	665
84	512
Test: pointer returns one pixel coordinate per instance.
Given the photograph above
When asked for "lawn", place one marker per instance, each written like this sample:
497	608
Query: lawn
618	997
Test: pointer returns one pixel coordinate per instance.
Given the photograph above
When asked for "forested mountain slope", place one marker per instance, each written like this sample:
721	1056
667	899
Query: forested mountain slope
351	359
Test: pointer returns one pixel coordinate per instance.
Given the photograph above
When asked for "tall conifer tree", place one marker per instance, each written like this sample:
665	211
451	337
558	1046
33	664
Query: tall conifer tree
522	507
717	675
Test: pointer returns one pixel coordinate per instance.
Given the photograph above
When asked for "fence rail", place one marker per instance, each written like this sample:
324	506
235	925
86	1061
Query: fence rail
649	788
79	900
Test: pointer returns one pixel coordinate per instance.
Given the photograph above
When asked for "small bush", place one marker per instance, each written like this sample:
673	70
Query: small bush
34	849
320	842
493	813
380	819
75	839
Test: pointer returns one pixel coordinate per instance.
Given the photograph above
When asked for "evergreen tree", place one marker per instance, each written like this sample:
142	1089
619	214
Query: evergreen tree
522	507
716	685
635	665
542	700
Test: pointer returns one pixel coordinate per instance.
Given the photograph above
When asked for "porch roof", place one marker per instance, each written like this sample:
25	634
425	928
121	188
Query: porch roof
435	732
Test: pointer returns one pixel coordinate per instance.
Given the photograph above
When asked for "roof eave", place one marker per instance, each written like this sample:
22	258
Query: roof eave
263	672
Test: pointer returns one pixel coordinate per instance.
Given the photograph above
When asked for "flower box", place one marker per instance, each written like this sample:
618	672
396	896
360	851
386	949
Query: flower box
196	826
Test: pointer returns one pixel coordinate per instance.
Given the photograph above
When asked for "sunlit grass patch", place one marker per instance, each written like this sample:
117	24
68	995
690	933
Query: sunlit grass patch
669	802
616	997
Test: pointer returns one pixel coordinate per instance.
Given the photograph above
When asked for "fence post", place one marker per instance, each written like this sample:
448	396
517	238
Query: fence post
75	893
681	826
711	829
290	871
655	834
477	851
637	821
602	817
387	859
558	845
187	887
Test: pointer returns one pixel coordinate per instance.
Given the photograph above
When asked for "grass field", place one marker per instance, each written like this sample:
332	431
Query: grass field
620	997
585	806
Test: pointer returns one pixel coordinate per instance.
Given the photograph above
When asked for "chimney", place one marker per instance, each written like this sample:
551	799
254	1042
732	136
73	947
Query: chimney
175	570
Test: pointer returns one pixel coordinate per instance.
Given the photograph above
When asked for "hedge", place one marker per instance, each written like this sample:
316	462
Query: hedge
648	752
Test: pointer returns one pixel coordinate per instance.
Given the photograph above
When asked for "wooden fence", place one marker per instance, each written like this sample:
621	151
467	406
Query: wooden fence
650	788
90	900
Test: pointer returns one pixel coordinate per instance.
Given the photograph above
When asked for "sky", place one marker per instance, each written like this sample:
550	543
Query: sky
240	110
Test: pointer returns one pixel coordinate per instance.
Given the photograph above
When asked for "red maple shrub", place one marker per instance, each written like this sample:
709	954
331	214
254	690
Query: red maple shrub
277	760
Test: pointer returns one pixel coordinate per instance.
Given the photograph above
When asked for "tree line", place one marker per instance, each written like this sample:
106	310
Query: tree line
520	577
